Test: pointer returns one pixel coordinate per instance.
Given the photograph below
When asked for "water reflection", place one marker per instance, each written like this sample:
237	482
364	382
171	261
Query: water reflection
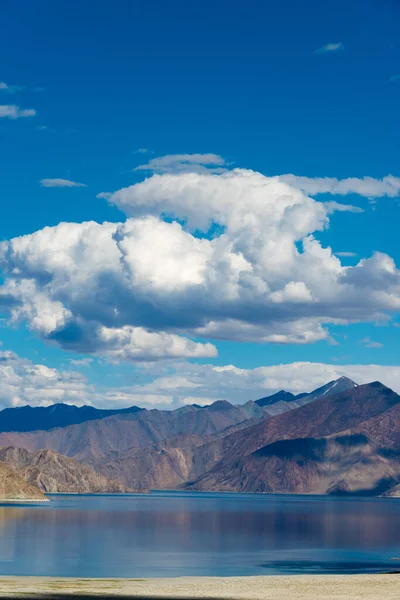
195	534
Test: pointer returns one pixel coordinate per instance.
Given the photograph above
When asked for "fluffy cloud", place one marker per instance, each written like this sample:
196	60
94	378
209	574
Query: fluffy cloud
201	255
189	383
23	382
51	183
365	186
135	343
12	111
333	47
171	385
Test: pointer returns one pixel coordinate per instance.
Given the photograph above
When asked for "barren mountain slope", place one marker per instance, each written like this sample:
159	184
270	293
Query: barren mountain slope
54	473
334	414
91	439
14	487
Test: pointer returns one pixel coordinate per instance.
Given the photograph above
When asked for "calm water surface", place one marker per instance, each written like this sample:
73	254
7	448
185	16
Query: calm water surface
172	534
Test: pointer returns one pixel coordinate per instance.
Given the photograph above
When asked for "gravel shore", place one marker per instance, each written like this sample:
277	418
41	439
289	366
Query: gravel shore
303	587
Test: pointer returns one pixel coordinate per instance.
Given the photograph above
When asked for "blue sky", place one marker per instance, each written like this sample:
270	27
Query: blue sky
310	89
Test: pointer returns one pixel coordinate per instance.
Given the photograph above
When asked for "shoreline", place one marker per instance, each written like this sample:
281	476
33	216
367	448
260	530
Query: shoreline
23	500
265	587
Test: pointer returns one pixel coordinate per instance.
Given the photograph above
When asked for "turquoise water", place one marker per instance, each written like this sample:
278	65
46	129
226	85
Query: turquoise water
172	534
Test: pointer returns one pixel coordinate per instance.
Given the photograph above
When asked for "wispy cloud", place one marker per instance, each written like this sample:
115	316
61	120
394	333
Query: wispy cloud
368	343
143	151
369	187
45	128
178	163
337	207
60	183
332	47
10	89
12	111
81	362
346	254
395	78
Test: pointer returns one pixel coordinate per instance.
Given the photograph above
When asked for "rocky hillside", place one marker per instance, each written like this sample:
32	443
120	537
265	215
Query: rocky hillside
393	492
343	464
54	473
14	487
306	451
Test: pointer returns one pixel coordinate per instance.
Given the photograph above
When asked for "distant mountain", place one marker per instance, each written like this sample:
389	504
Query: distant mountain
332	414
28	418
341	438
171	462
281	396
343	384
164	465
284	401
14	487
54	473
125	431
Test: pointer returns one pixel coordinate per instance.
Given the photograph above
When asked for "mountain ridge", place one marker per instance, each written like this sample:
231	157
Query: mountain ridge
34	418
245	447
349	410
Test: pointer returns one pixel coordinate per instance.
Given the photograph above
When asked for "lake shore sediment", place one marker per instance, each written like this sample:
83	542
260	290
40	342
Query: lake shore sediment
293	587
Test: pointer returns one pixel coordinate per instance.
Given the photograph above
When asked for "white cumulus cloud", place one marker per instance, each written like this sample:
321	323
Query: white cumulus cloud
152	288
24	382
189	383
172	385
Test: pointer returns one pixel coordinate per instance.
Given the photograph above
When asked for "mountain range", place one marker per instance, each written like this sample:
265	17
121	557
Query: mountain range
339	439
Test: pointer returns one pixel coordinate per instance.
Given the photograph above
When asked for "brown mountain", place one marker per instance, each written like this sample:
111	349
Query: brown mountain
119	433
14	487
172	462
227	447
371	410
165	465
343	464
54	473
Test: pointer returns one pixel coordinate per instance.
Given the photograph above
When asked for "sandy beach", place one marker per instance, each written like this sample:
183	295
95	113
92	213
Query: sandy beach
303	587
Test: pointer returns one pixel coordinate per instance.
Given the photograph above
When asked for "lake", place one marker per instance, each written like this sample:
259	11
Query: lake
166	534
